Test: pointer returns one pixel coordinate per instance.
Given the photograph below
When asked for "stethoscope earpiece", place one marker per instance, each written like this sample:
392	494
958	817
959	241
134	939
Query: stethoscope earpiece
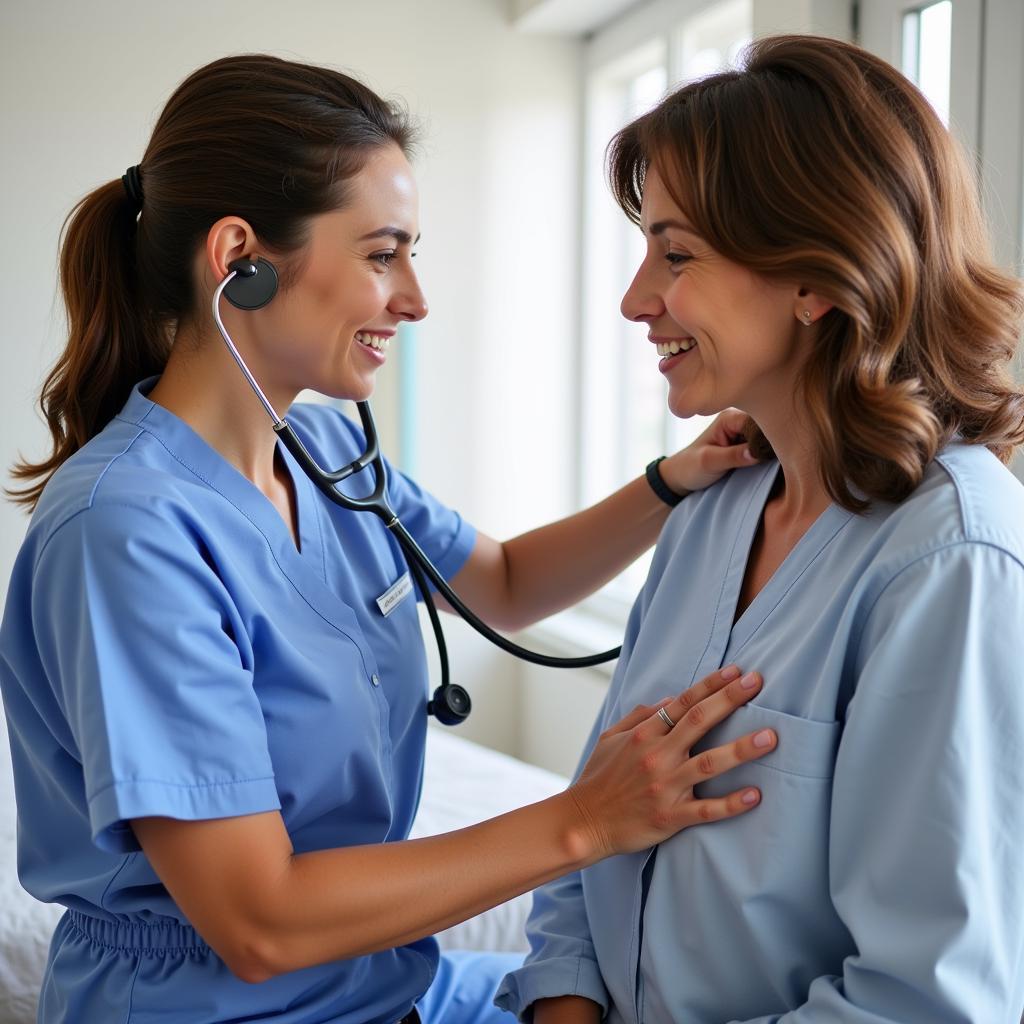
254	283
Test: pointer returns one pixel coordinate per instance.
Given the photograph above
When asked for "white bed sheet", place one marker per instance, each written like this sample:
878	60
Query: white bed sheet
464	783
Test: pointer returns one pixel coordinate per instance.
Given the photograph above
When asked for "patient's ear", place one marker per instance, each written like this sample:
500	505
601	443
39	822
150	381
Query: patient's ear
809	307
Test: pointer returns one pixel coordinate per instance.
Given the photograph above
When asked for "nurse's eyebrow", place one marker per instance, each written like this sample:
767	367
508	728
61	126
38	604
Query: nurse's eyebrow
391	232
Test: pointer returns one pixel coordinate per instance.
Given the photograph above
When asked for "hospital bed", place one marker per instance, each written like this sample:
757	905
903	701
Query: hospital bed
464	783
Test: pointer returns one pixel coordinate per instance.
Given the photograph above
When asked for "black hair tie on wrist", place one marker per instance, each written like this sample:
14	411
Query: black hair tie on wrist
132	181
660	488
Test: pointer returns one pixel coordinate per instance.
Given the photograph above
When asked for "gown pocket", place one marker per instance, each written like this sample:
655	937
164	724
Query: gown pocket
743	904
805	747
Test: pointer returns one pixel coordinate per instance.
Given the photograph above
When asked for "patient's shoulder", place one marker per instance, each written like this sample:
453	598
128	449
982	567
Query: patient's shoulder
967	496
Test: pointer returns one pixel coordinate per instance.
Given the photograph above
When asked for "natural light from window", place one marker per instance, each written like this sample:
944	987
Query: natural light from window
927	50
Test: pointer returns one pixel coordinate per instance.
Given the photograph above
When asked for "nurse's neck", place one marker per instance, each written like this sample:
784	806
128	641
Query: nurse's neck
203	386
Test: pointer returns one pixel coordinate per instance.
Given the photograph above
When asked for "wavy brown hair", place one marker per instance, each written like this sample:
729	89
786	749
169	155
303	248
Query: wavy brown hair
819	163
272	141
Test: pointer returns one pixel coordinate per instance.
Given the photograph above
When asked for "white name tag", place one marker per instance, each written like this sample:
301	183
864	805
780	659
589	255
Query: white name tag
394	595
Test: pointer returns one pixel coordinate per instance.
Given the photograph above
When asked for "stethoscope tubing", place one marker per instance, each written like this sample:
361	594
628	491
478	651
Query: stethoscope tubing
415	556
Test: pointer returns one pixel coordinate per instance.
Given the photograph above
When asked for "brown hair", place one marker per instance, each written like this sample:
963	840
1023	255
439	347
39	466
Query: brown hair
272	141
817	162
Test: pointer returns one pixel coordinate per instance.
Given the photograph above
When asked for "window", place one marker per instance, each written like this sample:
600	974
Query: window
624	418
927	52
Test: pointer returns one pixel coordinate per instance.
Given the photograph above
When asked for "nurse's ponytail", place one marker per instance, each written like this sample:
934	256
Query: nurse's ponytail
271	141
110	344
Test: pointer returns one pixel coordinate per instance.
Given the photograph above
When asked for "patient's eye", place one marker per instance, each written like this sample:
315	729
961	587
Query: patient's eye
677	259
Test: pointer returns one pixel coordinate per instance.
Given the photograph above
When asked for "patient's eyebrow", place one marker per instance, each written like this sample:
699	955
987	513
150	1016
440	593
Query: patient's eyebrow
391	232
659	227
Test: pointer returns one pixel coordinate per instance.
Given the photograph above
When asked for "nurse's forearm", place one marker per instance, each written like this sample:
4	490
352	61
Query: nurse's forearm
266	909
555	566
400	892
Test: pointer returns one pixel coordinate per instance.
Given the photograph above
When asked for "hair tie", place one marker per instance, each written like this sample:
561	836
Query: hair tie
132	181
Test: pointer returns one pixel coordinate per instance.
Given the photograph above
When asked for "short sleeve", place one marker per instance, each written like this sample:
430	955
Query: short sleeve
446	538
151	667
927	818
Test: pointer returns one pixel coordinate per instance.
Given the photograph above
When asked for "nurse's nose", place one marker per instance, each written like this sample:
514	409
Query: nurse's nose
408	301
641	303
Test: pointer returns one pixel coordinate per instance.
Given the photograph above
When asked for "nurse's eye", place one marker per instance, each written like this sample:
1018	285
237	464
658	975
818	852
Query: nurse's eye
384	258
677	259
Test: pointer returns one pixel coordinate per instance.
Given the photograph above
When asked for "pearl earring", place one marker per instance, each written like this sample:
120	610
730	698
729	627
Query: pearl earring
807	318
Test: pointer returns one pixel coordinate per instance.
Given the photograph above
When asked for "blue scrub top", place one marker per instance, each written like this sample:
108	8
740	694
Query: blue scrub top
166	650
881	879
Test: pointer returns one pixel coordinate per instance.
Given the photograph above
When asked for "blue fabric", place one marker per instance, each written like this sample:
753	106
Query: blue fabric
166	650
464	987
881	880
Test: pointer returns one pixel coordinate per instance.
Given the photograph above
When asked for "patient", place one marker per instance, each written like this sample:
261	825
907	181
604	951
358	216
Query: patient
815	246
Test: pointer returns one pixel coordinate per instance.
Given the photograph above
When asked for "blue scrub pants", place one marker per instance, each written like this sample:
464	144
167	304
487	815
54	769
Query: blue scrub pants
464	988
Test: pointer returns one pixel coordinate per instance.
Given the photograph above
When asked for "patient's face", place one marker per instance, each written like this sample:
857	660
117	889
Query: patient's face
737	339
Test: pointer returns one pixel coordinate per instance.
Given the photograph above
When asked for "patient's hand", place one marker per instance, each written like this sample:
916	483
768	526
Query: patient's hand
637	787
720	448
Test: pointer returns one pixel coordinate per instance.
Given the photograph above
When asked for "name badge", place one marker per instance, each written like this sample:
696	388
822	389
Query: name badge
394	595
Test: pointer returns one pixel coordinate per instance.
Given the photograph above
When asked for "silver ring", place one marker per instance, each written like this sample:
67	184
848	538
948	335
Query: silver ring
666	718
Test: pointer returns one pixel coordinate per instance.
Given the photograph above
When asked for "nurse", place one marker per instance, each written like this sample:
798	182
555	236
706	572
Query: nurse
814	238
217	734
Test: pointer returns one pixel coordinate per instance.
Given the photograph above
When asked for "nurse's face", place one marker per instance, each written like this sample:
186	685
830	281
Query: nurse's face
738	340
331	328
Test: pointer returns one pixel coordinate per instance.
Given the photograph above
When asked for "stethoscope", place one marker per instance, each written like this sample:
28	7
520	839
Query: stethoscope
251	284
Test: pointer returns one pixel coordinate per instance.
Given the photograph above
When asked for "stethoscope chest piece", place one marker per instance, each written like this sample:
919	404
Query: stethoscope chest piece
451	704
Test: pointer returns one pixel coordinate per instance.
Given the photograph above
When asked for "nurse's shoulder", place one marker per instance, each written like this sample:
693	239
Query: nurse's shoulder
121	471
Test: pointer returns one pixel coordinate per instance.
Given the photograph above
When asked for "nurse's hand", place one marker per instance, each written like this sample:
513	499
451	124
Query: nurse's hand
637	787
720	448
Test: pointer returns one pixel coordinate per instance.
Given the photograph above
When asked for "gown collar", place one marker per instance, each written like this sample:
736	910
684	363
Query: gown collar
810	546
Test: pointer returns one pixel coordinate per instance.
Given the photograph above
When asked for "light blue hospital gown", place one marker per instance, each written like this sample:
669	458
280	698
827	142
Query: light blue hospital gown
881	880
166	650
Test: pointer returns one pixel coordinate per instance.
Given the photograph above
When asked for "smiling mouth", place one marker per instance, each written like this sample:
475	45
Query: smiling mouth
671	348
380	342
